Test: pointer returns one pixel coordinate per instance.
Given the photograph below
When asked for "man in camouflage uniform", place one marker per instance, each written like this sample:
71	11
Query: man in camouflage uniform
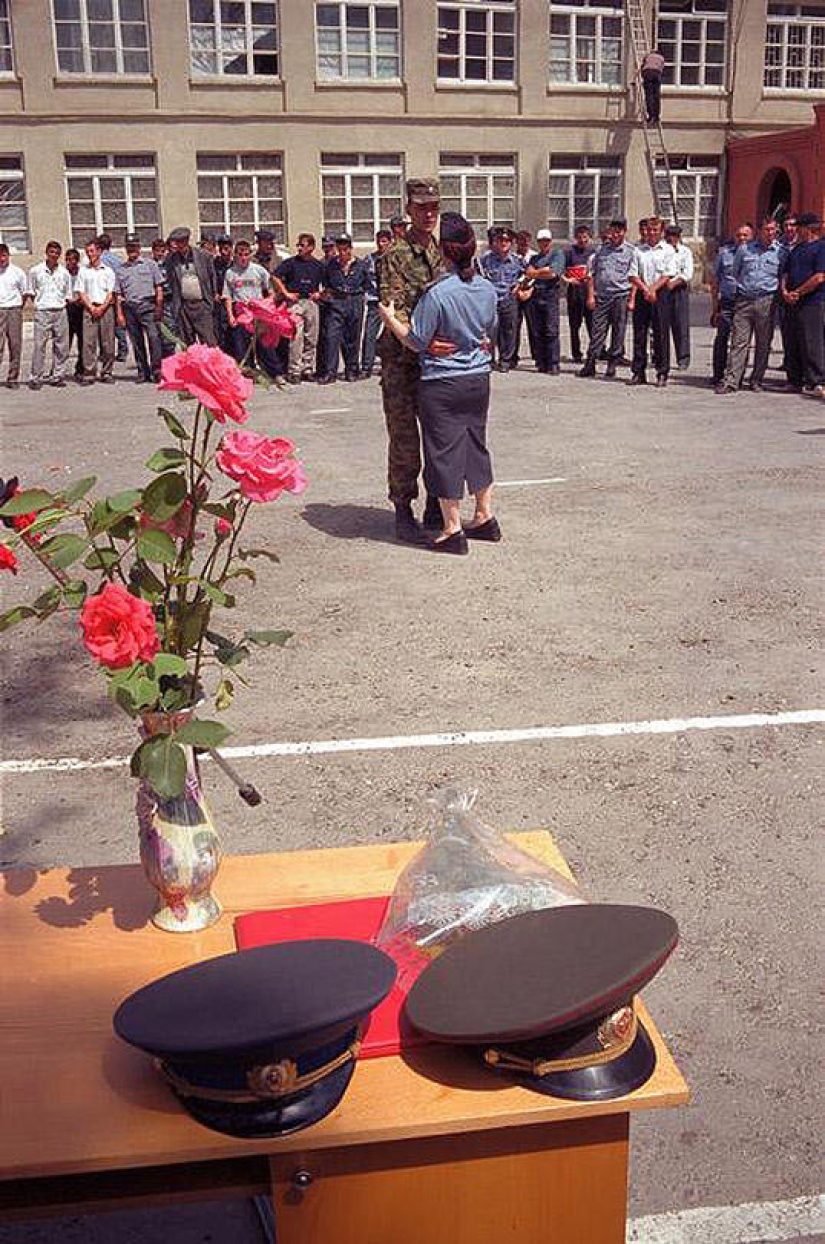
405	270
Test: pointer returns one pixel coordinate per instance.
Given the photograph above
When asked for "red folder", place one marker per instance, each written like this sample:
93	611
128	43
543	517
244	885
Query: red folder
358	920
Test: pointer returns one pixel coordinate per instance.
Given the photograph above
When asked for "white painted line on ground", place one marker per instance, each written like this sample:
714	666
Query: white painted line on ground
331	410
528	483
759	1222
461	738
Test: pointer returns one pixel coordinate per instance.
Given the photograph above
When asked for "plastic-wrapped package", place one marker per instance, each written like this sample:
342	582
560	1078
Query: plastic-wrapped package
466	876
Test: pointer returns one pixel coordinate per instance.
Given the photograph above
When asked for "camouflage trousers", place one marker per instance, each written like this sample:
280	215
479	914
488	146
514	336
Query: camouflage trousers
399	389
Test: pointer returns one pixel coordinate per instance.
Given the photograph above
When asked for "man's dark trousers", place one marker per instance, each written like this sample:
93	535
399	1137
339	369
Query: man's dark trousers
721	341
811	327
506	343
679	299
610	316
372	323
544	316
651	319
344	317
74	311
578	314
144	329
652	83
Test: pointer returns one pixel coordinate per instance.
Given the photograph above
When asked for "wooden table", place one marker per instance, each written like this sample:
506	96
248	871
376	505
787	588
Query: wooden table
431	1149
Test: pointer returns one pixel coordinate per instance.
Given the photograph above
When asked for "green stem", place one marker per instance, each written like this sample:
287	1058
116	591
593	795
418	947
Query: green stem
230	548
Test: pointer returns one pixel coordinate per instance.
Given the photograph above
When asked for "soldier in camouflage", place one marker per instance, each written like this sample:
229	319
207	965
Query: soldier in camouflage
405	271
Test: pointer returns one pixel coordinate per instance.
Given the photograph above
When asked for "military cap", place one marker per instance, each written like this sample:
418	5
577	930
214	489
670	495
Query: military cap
423	190
132	239
181	234
262	1042
264	235
396	222
224	239
500	231
549	997
327	240
343	239
808	220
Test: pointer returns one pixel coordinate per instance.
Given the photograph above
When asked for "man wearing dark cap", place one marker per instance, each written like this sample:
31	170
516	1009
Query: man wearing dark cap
346	280
265	254
504	270
222	261
407	268
803	292
139	301
398	227
191	275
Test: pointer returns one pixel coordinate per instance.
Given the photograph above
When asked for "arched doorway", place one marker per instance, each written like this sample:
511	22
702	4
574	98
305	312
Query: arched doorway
775	194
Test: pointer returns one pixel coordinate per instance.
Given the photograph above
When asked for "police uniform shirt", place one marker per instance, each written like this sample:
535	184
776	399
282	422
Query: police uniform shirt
51	288
654	262
241	284
502	271
137	279
804	260
554	259
345	284
756	268
612	268
723	271
302	276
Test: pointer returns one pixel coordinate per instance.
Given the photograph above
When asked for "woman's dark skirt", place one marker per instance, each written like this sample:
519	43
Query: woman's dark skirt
453	415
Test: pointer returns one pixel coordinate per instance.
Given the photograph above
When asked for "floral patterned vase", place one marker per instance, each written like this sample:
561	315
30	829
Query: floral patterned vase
179	848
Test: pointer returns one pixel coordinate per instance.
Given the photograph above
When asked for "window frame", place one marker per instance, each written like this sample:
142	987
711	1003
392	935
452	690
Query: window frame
15	175
112	170
703	18
226	198
786	22
5	21
361	169
219	75
344	78
86	47
507	167
573	11
695	167
489	8
571	171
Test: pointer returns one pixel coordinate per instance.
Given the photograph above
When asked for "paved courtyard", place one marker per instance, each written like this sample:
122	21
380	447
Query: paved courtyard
662	562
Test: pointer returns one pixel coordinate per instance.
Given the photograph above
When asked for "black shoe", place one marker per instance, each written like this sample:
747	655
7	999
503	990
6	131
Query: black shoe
293	379
722	389
35	384
489	531
661	381
589	370
326	379
456	543
504	366
637	378
407	529
554	371
350	375
431	518
577	358
610	371
756	387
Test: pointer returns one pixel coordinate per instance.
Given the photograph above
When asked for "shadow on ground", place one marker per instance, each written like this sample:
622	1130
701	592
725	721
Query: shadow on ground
351	522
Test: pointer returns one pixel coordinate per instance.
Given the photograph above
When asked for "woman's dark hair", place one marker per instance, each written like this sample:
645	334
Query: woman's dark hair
458	243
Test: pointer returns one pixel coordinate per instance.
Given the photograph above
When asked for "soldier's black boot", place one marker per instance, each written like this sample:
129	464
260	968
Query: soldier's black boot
406	525
432	517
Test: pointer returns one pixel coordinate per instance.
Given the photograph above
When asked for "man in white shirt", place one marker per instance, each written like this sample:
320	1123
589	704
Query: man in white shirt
680	296
656	261
12	293
96	286
50	287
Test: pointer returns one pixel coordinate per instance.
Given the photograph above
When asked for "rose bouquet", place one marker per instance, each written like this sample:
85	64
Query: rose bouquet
158	561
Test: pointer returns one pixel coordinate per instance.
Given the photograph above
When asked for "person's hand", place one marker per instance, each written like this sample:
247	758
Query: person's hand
315	296
441	347
486	344
386	311
121	321
591	303
714	319
231	321
793	296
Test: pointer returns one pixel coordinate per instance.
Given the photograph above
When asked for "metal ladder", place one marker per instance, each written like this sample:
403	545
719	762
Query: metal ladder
640	42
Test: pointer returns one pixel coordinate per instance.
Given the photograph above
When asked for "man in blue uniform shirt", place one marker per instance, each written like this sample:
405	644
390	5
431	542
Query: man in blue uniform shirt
756	268
503	269
803	292
608	292
346	280
723	296
545	269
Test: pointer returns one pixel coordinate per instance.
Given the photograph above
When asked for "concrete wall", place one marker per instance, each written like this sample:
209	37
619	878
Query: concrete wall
44	114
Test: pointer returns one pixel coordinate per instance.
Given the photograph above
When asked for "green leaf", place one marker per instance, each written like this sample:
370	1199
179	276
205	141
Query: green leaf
224	694
232	656
202	733
162	763
264	638
163	459
175	698
74	593
17	614
156	546
215	594
101	559
123	502
169	663
145	691
194	623
246	554
164	496
173	423
47	602
44	520
220	511
165	331
32	500
77	491
124	698
121	677
63	550
242	572
146	580
124	528
103	518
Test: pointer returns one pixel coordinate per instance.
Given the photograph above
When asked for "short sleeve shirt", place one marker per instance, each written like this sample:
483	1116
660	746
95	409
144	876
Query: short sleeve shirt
554	260
96	283
12	286
301	276
462	311
803	261
51	288
613	266
137	280
241	284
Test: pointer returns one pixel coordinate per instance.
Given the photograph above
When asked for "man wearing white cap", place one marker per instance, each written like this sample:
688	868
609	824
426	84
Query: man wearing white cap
545	269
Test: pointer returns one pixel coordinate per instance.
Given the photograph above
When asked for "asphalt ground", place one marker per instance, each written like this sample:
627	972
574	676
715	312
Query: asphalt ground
671	571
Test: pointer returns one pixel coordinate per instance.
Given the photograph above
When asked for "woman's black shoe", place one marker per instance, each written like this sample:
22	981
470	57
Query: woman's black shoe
432	518
489	531
456	543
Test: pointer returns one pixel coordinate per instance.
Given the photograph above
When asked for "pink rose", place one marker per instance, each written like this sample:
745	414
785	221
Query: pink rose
275	320
223	528
212	377
263	466
118	628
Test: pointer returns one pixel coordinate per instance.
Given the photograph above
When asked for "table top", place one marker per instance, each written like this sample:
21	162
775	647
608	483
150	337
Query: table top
76	1099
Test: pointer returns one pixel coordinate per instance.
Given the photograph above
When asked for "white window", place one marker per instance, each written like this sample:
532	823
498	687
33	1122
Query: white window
238	194
238	38
583	190
360	193
6	54
695	183
358	42
481	187
795	47
692	35
477	42
101	36
115	194
586	42
14	229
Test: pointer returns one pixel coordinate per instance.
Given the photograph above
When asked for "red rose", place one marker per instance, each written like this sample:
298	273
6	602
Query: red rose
21	521
212	377
262	466
118	628
8	560
274	320
223	528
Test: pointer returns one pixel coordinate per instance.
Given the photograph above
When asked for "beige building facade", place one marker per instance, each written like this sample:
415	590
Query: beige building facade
228	115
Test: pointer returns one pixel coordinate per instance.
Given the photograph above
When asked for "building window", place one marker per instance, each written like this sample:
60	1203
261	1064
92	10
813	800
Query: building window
477	42
692	36
795	47
238	38
14	230
586	42
115	194
695	183
583	190
358	42
238	194
360	193
6	57
101	36
481	187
